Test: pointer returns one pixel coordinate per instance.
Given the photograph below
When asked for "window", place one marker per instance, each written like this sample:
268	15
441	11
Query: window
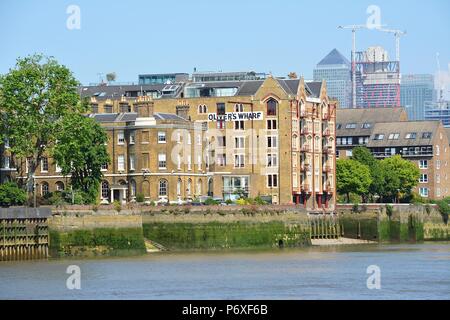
426	135
133	188
294	141
44	165
178	161
378	136
221	109
162	188
44	188
411	135
189	160
239	125
271	124
363	140
438	164
438	178
424	192
6	143
272	180
202	108
145	161
199	161
121	162
423	164
239	142
6	162
338	141
120	138
162	161
272	105
220	124
394	136
59	186
437	150
238	107
222	142
271	141
366	125
239	161
423	178
272	160
350	126
179	187
339	126
132	137
189	187
58	169
199	139
108	108
132	162
222	160
94	108
161	137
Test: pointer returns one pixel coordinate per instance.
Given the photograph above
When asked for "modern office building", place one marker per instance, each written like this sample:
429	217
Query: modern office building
387	132
416	91
439	110
227	76
377	79
272	138
335	69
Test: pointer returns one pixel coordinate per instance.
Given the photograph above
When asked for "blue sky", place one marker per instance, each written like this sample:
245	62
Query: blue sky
132	37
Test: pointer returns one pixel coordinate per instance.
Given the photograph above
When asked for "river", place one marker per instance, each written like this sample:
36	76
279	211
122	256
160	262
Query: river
410	271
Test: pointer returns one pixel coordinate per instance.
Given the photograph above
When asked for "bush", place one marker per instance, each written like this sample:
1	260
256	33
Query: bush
260	201
444	209
57	199
12	195
140	198
389	210
117	206
211	202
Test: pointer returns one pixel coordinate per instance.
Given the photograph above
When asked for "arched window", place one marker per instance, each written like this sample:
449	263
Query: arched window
163	188
189	186
199	186
294	141
202	108
179	187
105	190
133	188
44	188
272	106
59	186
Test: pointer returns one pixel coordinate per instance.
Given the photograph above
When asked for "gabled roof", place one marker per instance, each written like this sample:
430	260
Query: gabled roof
334	57
403	128
314	87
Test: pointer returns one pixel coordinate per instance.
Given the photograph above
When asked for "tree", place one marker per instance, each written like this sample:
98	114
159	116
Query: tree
34	97
11	195
80	152
352	177
400	177
364	156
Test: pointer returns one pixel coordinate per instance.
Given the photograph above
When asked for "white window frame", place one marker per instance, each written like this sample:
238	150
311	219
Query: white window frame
272	185
162	137
42	164
162	159
423	164
121	137
423	178
132	162
121	162
239	160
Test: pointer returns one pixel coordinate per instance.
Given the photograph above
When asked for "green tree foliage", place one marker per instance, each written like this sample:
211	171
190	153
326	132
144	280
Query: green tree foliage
400	177
34	97
11	195
352	177
364	156
80	152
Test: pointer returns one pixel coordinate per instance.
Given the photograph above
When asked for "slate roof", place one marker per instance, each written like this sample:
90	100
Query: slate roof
403	128
314	88
365	115
334	57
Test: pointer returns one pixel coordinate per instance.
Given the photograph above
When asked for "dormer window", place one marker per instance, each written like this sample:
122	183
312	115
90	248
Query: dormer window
350	126
378	136
394	136
366	125
272	106
411	135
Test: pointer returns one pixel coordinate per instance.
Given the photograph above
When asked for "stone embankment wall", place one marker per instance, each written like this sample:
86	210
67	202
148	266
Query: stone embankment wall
395	223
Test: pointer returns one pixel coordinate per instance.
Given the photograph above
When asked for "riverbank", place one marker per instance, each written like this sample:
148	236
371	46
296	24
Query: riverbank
85	232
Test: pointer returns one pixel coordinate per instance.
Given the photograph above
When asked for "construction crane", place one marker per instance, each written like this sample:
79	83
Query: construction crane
397	34
354	27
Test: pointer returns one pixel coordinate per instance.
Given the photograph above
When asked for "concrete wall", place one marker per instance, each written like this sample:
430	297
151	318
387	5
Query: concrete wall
90	222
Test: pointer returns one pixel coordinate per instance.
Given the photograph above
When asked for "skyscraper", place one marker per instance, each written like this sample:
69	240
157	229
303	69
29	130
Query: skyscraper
416	91
335	69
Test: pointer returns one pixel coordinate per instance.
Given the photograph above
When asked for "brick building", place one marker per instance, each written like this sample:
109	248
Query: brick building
272	137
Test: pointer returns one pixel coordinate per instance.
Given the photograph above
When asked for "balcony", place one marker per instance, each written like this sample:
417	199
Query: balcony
404	154
325	116
327	133
327	168
305	131
328	188
328	150
305	167
306	149
306	188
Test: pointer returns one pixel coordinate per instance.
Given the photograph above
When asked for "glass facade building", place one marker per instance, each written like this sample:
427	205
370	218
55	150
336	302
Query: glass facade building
417	91
335	69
